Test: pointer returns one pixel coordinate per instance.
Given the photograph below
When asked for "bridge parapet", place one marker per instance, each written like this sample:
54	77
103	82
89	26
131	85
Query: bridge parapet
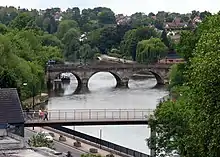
60	67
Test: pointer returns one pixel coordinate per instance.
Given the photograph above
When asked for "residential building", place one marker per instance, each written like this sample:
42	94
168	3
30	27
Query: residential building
171	58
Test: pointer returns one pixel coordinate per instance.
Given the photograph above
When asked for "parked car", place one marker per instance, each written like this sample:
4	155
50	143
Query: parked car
46	135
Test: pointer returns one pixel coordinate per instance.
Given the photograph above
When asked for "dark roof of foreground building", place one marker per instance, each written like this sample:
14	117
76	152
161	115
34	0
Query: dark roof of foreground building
10	107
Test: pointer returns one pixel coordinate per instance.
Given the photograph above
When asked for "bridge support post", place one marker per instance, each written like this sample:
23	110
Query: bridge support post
82	86
123	83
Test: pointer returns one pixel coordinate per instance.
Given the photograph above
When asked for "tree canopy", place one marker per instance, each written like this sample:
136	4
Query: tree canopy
190	124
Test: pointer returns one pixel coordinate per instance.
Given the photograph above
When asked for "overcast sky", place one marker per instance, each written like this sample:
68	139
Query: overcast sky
122	6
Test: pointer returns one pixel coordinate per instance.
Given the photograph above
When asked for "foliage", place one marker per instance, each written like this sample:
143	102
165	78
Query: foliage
132	37
177	75
72	45
39	140
65	26
149	51
190	124
23	58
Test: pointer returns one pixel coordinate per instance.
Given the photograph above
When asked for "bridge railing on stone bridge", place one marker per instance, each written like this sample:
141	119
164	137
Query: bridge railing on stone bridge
91	115
113	66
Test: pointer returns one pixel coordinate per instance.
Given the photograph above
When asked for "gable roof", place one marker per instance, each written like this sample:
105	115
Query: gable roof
10	107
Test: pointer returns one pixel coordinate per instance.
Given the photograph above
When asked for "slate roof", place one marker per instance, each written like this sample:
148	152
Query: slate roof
173	56
10	107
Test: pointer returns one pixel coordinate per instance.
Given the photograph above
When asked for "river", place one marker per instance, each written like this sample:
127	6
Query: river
140	95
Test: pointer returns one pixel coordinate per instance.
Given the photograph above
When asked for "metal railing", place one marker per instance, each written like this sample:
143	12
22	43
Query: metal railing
89	114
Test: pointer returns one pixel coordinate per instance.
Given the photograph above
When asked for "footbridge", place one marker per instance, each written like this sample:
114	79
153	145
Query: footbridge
89	117
121	72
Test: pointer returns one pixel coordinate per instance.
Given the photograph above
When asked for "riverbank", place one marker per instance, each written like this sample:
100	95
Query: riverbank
40	101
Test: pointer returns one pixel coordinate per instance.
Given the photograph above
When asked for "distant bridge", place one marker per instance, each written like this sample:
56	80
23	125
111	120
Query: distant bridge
121	72
89	117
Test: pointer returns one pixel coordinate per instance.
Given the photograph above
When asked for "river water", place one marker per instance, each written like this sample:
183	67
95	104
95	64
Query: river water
140	95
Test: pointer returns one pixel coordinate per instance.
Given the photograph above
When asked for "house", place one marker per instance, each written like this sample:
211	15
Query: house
171	58
11	114
176	24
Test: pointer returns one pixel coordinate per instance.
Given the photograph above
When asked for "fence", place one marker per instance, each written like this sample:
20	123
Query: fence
103	143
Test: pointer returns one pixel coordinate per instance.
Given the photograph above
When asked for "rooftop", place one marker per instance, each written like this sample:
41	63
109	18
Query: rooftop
26	152
11	111
12	145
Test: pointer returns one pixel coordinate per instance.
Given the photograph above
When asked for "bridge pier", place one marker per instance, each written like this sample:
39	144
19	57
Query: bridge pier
49	84
82	87
123	83
57	85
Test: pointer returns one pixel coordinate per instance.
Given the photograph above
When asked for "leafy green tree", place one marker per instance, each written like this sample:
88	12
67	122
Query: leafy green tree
3	29
106	16
149	51
51	40
164	39
190	124
40	140
204	14
65	26
72	44
21	21
86	52
132	37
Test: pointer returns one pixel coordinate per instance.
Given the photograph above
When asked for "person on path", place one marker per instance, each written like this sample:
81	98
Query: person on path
41	114
45	115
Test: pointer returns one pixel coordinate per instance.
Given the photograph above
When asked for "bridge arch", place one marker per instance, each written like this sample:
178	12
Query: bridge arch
158	77
79	80
114	74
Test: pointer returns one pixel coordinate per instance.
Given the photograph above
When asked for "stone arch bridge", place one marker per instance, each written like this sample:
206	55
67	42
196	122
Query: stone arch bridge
121	72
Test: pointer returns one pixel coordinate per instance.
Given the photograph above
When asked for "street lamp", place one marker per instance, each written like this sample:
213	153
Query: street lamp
100	136
33	100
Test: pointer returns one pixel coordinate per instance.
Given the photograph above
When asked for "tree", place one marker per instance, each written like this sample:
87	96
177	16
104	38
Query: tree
40	140
151	50
3	29
106	16
132	37
51	40
204	14
71	44
86	52
65	26
190	124
21	21
165	39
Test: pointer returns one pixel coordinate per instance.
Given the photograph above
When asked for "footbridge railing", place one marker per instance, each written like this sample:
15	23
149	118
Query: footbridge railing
88	115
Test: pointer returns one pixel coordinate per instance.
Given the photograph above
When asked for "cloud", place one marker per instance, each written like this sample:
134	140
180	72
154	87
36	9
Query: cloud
122	6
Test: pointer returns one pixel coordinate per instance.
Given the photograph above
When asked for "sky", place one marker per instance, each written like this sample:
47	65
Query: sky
122	6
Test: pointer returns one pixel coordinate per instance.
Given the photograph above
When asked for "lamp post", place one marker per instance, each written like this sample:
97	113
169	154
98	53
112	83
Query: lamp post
33	100
100	136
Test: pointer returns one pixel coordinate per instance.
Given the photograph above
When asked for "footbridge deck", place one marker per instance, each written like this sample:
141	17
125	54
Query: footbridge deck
89	117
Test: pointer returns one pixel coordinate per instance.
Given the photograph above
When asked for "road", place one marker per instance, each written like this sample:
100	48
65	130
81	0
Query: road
60	147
